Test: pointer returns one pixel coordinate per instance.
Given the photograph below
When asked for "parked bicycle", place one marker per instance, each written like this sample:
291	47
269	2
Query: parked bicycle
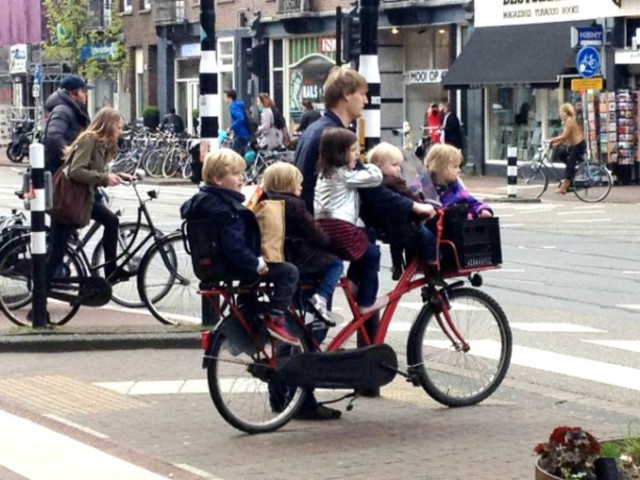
154	260
592	181
258	159
458	349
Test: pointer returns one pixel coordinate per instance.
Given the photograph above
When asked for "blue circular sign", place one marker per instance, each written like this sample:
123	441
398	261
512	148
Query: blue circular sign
588	62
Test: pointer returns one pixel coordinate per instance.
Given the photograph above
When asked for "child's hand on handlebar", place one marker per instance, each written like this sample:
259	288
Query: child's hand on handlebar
126	177
113	179
485	214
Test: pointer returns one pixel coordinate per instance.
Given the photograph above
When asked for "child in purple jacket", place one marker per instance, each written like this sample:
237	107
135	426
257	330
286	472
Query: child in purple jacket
443	164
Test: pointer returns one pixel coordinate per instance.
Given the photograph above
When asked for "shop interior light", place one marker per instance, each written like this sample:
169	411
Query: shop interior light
394	30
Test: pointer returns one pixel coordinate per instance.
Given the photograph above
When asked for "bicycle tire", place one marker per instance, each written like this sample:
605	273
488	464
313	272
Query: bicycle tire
532	180
592	182
171	164
239	394
448	373
187	169
170	292
122	292
16	284
153	164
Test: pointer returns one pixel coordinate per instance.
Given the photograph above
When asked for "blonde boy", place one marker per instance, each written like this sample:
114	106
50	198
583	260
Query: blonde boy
236	230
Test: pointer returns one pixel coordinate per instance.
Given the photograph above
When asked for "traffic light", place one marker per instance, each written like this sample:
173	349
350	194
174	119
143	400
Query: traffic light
257	59
351	41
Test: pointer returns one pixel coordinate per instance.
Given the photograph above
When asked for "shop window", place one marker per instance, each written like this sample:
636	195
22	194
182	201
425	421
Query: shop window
225	53
127	6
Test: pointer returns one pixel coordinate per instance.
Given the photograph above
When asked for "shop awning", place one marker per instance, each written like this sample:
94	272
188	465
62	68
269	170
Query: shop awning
514	55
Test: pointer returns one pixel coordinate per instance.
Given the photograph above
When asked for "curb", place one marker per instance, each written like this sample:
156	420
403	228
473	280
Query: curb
77	342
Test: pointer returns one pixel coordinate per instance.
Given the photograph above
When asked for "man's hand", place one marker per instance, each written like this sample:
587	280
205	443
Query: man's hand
424	210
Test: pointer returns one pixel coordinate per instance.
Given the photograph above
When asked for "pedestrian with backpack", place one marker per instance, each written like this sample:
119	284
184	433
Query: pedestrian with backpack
268	134
239	125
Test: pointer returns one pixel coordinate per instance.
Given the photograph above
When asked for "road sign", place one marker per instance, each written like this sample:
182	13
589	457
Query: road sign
588	62
583	36
582	84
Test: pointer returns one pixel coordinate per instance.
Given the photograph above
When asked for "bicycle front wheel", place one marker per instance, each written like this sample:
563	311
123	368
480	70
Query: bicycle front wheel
449	372
16	284
242	388
125	293
532	180
167	285
592	182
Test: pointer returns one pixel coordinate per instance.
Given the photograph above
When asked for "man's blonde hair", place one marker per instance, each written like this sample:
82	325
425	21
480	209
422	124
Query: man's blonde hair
281	177
219	162
383	152
442	156
340	82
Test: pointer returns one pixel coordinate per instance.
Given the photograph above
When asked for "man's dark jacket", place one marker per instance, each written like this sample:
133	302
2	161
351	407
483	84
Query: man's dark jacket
67	119
453	130
238	231
385	210
308	152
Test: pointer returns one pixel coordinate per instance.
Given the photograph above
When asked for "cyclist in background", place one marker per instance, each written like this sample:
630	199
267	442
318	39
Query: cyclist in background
572	136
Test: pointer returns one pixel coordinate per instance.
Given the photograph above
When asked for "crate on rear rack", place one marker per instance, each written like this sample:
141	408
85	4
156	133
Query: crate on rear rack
476	241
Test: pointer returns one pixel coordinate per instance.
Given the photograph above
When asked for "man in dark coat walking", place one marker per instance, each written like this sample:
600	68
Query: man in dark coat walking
451	130
68	117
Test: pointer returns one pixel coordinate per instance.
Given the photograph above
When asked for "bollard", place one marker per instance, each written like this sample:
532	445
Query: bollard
38	237
512	172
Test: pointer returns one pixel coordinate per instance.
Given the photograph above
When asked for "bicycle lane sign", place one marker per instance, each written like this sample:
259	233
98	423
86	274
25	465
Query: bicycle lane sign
588	62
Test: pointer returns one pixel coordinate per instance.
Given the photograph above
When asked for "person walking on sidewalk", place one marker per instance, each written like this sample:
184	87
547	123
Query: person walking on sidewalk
172	122
68	116
451	132
571	135
239	127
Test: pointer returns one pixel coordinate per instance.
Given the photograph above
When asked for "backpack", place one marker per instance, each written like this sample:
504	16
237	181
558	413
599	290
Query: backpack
278	119
250	121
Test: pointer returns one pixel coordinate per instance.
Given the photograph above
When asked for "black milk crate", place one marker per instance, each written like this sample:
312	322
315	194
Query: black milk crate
477	242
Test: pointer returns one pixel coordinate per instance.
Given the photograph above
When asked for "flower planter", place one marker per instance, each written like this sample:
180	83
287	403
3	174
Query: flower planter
543	475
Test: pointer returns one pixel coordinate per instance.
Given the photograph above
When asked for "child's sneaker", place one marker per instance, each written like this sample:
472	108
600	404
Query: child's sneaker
319	305
276	328
377	305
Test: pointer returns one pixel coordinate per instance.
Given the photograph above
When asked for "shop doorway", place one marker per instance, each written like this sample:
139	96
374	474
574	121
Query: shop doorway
188	101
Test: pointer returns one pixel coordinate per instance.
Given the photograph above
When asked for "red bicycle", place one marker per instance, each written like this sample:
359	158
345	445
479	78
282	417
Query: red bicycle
458	349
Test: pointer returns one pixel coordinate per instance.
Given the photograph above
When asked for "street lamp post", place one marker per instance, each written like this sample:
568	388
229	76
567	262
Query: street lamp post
209	107
369	68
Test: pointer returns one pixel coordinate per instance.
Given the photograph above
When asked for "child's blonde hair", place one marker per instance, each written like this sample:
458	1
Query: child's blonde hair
219	162
382	152
281	177
442	156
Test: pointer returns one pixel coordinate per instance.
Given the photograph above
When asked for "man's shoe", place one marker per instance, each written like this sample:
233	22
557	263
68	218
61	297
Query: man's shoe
276	328
320	412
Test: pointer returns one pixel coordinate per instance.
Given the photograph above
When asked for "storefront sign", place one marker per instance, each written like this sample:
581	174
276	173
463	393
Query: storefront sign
627	57
98	51
306	82
18	58
425	76
520	12
582	84
584	36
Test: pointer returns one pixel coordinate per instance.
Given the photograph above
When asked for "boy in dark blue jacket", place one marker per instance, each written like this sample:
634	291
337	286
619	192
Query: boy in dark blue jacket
220	200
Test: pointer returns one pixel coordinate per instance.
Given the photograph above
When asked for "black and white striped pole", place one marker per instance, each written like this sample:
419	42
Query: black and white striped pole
209	110
38	237
369	69
512	172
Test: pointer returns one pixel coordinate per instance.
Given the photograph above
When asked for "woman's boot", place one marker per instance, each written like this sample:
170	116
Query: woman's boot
564	185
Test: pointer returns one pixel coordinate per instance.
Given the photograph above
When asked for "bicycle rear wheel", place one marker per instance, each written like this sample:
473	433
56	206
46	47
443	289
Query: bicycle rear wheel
592	182
240	387
171	164
16	284
450	373
532	180
167	285
153	163
125	293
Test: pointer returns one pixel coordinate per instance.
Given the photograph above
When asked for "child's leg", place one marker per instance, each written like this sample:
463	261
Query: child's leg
364	271
397	260
330	279
284	277
425	242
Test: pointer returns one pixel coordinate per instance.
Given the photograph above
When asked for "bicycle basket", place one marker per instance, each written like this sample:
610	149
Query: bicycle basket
477	243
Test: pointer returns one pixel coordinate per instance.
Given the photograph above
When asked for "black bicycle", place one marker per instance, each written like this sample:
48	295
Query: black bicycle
155	261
